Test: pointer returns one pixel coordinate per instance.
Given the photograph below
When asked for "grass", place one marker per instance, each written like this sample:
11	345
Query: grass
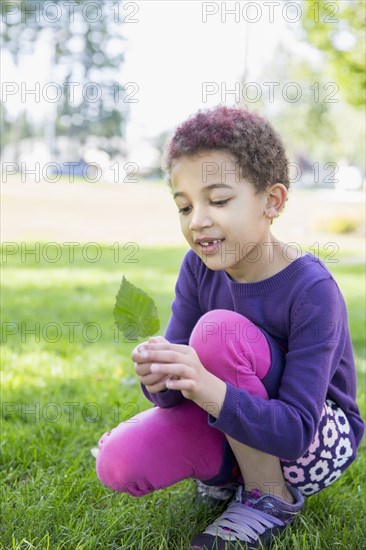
67	378
340	225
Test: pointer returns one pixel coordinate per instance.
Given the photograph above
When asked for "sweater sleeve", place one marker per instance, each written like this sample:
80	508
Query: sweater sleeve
286	426
185	312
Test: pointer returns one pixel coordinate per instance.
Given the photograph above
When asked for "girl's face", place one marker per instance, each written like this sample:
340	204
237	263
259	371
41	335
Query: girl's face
222	217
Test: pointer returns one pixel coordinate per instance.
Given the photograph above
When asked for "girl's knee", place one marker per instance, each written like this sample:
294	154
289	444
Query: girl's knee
233	348
116	466
221	333
221	326
157	448
123	462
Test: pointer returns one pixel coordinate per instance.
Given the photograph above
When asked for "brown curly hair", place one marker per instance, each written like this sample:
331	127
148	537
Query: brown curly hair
252	141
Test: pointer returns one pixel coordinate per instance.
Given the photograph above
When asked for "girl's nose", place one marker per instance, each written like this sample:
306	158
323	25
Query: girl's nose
199	220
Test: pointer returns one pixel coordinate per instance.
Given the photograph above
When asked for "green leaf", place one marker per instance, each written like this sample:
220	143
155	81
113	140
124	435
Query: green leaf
135	312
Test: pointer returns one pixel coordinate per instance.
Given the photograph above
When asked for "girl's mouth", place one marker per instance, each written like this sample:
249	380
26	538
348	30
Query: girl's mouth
210	247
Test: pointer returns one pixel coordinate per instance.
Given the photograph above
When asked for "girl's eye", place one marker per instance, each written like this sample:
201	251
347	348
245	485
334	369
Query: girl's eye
220	203
184	210
187	209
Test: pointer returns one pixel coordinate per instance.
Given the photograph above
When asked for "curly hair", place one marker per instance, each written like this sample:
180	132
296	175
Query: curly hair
251	140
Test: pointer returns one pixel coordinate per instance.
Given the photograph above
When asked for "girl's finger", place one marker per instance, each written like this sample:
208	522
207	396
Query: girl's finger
142	368
180	384
159	355
172	369
158	340
165	345
135	349
155	388
151	379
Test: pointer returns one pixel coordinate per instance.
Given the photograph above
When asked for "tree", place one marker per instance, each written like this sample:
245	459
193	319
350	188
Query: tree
318	128
86	51
338	30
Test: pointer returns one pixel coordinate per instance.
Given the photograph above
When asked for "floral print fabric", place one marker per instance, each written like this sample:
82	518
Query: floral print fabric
329	454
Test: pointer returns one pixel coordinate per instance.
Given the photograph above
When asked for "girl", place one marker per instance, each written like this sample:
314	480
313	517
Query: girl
254	383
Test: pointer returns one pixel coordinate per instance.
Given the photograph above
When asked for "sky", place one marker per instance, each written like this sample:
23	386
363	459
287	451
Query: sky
183	57
180	56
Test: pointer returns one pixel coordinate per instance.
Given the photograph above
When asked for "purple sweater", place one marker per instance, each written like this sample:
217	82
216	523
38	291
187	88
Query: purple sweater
302	308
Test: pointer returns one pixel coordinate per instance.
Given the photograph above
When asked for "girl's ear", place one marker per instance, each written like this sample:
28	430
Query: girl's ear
276	199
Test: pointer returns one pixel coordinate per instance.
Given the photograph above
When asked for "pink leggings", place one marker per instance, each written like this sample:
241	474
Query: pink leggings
161	446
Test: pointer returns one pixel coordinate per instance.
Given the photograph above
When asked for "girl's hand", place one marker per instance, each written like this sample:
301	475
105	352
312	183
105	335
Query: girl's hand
177	367
153	382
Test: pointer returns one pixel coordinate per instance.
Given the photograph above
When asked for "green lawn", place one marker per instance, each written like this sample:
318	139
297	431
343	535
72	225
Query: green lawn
67	378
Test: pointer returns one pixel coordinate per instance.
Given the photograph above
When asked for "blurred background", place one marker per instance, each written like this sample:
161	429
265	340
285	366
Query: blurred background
92	90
